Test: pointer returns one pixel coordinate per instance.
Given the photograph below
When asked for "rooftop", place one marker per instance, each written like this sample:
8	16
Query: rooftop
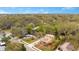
47	43
67	46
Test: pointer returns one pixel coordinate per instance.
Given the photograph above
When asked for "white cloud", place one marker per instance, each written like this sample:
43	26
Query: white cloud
3	12
40	11
43	11
67	8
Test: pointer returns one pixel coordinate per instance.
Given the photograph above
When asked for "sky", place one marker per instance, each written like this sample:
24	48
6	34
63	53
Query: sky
39	10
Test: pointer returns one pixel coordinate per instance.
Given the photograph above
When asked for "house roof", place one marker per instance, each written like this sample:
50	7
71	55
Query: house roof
2	43
67	46
48	38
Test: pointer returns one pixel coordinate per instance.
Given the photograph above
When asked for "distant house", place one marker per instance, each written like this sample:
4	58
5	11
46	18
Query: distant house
36	28
67	46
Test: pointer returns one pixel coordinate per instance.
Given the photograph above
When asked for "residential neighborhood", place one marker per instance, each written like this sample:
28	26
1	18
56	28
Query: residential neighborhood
39	32
42	44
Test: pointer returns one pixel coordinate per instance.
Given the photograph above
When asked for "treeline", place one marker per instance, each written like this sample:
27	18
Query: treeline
21	25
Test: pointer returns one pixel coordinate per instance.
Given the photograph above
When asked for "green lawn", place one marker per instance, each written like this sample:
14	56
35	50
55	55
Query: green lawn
29	40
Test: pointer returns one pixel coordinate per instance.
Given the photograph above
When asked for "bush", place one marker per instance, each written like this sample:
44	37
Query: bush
12	46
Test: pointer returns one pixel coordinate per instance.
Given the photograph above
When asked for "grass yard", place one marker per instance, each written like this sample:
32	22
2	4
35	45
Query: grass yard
29	40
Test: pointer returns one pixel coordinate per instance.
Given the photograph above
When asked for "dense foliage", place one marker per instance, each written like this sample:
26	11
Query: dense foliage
64	27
